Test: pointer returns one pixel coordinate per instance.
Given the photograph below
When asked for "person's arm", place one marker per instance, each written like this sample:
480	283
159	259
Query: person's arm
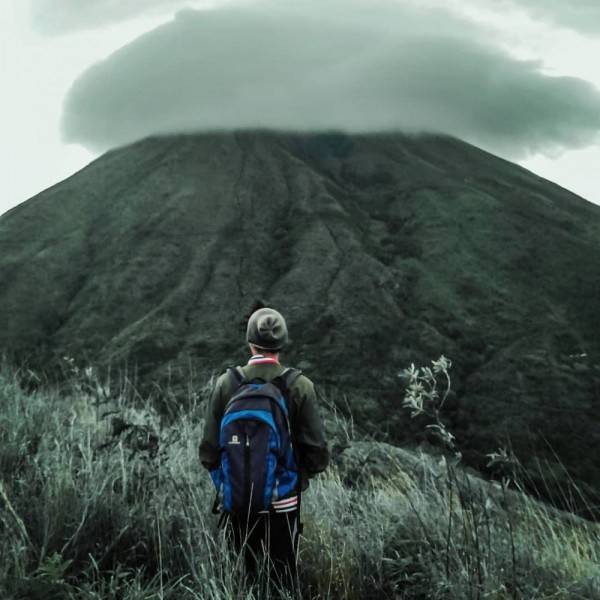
209	446
313	453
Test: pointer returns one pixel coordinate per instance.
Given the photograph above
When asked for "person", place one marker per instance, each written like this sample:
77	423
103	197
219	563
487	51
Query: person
273	533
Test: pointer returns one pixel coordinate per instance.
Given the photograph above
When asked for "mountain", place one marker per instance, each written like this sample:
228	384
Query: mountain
380	250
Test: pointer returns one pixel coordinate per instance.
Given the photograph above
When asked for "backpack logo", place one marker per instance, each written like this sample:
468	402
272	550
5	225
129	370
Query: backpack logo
234	440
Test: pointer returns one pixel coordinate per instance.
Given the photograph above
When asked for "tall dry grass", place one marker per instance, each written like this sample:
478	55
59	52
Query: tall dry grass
102	497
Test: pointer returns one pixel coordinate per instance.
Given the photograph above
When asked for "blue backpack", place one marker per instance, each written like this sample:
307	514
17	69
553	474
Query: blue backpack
258	464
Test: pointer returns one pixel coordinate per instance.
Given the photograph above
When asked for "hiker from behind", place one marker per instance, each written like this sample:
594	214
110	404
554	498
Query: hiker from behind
263	439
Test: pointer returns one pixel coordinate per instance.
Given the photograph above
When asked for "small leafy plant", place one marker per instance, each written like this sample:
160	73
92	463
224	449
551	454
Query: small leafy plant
426	392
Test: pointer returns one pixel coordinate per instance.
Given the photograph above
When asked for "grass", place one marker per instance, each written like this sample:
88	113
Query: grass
102	497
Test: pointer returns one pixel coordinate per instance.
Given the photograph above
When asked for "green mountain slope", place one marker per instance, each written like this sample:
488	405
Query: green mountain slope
380	250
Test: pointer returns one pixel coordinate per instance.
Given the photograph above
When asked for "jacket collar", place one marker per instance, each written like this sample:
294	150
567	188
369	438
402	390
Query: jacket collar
260	359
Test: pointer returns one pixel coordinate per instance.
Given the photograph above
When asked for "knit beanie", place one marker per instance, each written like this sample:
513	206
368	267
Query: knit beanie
267	329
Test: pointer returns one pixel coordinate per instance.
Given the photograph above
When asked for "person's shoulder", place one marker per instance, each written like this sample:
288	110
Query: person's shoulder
223	381
222	378
303	384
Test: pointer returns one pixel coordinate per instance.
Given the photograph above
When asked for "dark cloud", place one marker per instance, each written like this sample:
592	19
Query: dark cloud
580	15
61	16
350	67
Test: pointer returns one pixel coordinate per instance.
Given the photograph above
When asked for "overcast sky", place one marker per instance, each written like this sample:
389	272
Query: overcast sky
519	78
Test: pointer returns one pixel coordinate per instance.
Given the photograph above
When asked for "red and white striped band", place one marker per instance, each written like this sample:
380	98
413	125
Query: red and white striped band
259	359
285	505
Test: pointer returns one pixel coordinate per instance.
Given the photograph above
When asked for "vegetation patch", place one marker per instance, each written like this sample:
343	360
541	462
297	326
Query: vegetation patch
102	497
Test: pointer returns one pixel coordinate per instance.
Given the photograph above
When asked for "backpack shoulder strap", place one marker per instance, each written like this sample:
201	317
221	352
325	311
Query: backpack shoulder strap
290	375
284	382
237	376
286	379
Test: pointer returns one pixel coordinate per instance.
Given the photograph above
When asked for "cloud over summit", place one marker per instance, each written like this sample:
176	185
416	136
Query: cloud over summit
579	15
354	66
54	17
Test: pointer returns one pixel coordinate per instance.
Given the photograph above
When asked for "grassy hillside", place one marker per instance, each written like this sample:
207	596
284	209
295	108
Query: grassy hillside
103	498
380	250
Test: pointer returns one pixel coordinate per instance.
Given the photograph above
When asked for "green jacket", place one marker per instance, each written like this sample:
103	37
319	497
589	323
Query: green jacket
305	421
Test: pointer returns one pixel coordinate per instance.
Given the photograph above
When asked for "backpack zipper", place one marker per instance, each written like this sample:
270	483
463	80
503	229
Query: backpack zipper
247	471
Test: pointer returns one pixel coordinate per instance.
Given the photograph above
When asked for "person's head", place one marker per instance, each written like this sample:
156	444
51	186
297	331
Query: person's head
266	332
